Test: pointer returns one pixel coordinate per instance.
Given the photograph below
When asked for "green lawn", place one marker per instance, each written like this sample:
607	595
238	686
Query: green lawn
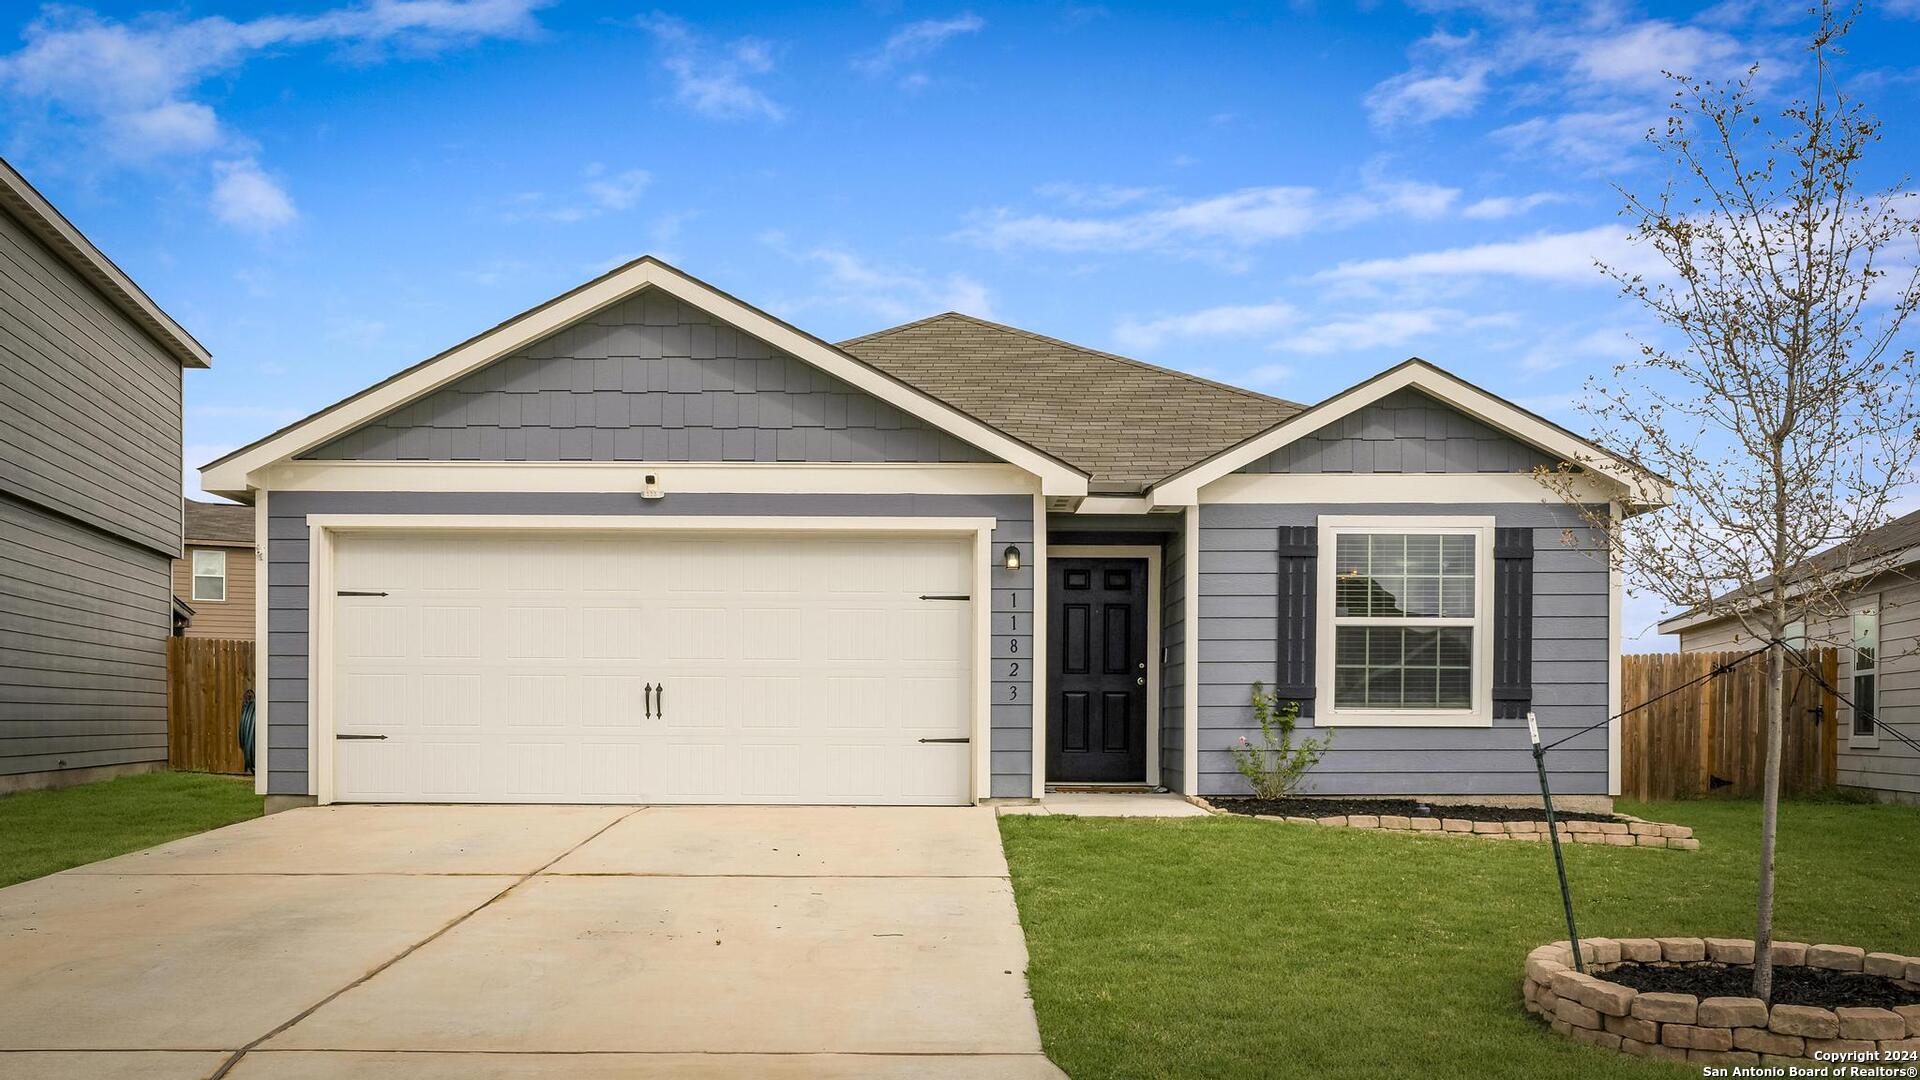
1229	947
42	832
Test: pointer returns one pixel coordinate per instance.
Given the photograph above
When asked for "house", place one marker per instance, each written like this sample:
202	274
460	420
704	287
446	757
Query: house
645	542
1878	641
90	378
214	577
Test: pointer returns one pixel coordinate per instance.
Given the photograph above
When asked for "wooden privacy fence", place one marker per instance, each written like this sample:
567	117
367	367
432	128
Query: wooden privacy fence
207	682
1712	735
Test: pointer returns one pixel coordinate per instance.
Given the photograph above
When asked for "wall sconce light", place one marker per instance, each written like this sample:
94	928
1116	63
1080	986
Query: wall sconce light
652	490
1010	558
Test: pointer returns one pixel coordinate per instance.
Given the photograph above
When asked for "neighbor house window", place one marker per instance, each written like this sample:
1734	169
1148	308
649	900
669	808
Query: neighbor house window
1406	601
209	575
1866	674
1795	636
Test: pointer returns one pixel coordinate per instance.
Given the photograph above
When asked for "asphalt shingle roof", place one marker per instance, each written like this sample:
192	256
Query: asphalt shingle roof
1125	423
221	522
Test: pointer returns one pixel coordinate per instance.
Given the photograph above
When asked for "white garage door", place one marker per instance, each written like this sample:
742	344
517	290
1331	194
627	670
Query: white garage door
648	668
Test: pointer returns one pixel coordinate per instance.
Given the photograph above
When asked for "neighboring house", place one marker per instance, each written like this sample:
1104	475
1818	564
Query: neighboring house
214	577
1878	641
90	373
645	542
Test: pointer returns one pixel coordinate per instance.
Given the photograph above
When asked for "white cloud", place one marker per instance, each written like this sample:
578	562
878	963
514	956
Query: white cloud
244	196
914	42
1097	196
1606	345
1422	97
1564	257
1636	56
1204	226
1496	207
601	192
1601	139
896	293
1382	328
125	91
1232	320
712	80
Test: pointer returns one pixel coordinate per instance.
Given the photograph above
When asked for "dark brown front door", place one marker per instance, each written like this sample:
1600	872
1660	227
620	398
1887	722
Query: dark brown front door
1097	714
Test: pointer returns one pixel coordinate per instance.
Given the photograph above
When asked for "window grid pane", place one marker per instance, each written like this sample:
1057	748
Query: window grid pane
1405	576
1403	667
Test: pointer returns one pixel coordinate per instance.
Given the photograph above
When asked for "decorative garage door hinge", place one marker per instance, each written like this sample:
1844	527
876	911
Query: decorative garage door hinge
943	596
963	739
357	592
345	736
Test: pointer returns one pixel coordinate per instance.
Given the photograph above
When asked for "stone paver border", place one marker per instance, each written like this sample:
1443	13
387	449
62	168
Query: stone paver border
1718	1030
1628	832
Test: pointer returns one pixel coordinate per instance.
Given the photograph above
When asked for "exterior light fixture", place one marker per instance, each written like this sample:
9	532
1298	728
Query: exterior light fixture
652	490
1010	558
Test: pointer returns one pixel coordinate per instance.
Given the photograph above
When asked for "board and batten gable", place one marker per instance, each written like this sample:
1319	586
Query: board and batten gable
1405	432
90	517
652	379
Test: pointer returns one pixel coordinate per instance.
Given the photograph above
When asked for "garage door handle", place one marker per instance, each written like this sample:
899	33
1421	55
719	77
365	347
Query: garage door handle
947	740
359	736
660	701
646	697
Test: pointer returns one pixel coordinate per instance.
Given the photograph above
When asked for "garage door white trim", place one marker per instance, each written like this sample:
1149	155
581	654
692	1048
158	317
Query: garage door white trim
323	530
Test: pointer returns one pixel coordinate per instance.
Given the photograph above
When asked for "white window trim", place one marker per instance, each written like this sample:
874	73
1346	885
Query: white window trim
1856	741
195	576
1327	714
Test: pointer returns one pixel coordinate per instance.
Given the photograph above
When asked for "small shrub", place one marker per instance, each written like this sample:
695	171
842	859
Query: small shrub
1276	767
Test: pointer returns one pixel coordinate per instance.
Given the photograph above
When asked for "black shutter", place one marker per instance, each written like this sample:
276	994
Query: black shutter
1299	553
1512	623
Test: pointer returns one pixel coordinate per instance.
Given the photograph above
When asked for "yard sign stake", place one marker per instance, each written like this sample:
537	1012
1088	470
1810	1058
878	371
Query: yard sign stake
1553	834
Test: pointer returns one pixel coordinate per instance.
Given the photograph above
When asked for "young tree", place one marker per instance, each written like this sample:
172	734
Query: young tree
1777	396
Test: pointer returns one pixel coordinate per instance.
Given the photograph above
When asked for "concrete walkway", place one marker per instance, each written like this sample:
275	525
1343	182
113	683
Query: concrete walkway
539	942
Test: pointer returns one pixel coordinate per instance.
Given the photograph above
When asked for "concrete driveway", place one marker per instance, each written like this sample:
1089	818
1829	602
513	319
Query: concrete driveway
492	941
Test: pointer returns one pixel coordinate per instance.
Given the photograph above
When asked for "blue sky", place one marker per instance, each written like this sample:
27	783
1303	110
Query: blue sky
1286	197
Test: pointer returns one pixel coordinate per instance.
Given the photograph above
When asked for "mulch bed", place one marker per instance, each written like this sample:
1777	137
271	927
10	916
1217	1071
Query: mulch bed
1791	985
1318	807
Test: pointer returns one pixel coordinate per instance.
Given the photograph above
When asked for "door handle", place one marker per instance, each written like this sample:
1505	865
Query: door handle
1139	680
646	695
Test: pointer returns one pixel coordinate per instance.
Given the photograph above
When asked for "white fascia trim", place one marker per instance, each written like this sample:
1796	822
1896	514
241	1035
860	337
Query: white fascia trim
1150	553
1896	561
324	529
235	473
622	476
1481	714
1114	504
1440	489
1042	693
262	646
1190	687
1616	591
1184	488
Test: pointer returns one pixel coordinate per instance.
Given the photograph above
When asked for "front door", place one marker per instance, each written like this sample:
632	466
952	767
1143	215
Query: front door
1097	713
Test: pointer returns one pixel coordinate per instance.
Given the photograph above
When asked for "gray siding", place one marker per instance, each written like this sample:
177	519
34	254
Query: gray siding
85	618
1891	768
649	379
89	405
1404	432
1238	621
288	543
1173	663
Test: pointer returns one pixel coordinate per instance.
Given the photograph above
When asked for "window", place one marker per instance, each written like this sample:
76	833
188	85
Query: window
1795	635
209	575
1406	610
1866	675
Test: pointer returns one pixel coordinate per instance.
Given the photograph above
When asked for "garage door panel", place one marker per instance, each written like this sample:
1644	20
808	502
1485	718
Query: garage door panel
787	670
